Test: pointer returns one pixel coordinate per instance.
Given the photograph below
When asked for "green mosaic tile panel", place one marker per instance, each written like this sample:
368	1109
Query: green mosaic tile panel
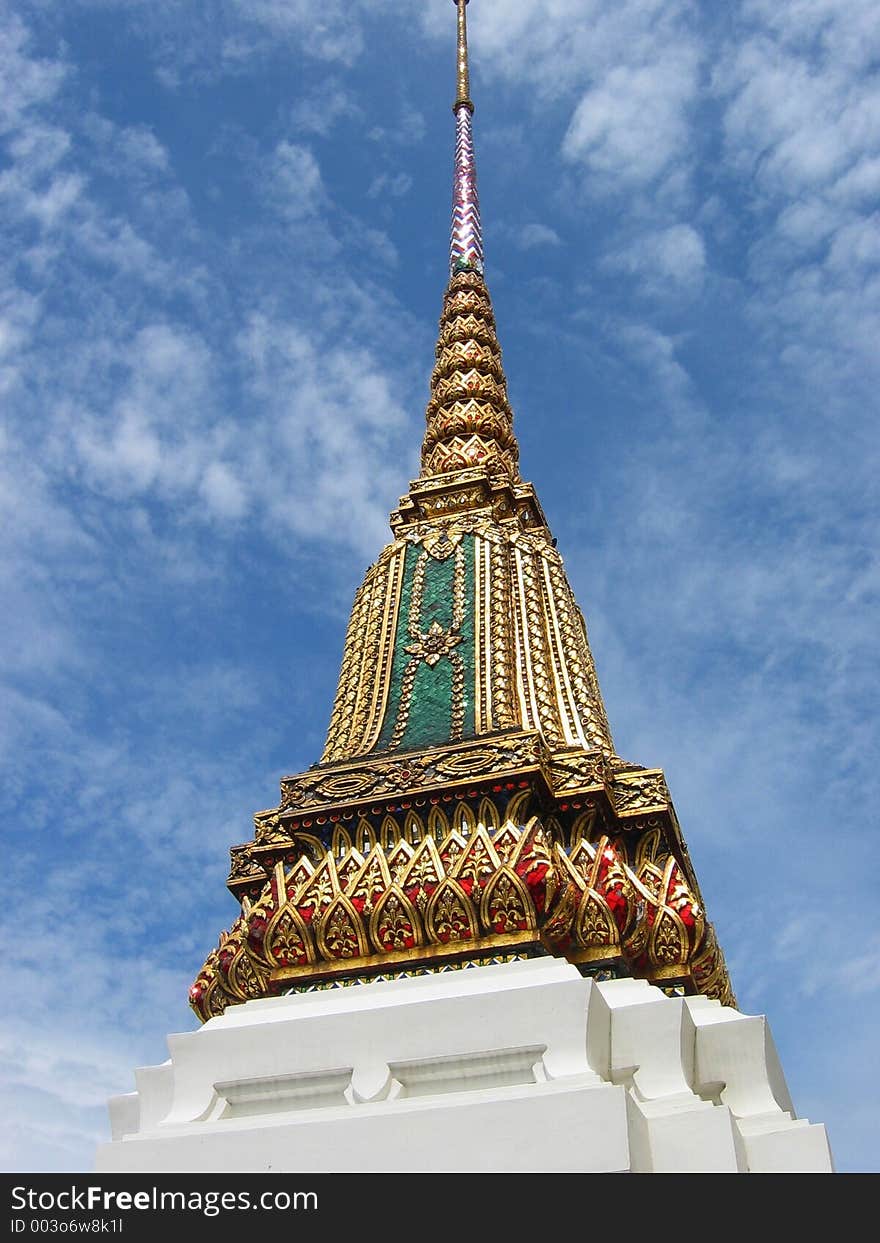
430	709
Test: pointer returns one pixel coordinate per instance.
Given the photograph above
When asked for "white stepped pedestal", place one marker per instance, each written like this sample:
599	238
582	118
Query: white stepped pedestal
523	1066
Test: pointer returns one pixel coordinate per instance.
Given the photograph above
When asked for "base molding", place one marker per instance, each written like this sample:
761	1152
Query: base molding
523	1066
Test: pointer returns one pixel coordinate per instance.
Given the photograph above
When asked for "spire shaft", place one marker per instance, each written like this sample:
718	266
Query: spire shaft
463	96
466	244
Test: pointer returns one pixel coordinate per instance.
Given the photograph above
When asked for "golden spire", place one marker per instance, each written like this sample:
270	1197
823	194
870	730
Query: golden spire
469	804
469	419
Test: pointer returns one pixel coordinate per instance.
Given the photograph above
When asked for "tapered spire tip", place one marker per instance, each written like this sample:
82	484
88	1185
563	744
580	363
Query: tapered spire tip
463	97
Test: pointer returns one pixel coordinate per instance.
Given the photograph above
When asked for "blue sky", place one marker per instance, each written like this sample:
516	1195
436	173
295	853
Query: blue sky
225	228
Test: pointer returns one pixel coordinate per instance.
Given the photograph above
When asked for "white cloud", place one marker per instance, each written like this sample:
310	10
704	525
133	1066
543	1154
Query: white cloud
407	129
26	81
631	127
134	146
658	353
319	112
394	184
536	234
333	423
800	114
665	260
196	43
331	32
298	187
223	492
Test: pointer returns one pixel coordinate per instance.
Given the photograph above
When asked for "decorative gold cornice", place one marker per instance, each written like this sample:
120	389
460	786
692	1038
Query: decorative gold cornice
635	793
246	876
346	784
511	889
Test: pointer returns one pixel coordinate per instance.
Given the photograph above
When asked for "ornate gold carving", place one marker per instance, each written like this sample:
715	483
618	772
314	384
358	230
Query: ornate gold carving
399	859
577	770
558	689
462	451
469	421
477	863
365	676
450	915
434	645
482	642
463	356
367	689
348	867
378	674
453	502
502	681
268	829
244	870
709	971
288	941
439	541
339	931
517	754
577	659
346	695
595	927
558	692
534	672
491	890
317	893
650	849
506	841
640	790
344	786
424	871
505	907
298	875
568	715
372	880
395	924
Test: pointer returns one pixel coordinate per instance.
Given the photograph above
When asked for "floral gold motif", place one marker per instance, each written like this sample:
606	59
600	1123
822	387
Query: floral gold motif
494	887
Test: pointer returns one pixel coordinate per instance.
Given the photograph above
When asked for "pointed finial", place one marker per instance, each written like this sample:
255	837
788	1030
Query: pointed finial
462	98
469	420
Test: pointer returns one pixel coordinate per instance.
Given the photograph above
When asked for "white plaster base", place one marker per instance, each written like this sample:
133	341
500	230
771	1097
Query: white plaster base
524	1066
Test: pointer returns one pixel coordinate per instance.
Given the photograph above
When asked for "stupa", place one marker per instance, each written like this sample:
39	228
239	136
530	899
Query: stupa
470	937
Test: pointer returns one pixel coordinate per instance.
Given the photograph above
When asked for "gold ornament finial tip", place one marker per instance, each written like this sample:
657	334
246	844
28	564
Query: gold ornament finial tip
462	98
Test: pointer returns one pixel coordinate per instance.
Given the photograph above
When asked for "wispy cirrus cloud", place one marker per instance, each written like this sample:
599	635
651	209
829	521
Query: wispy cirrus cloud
665	262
